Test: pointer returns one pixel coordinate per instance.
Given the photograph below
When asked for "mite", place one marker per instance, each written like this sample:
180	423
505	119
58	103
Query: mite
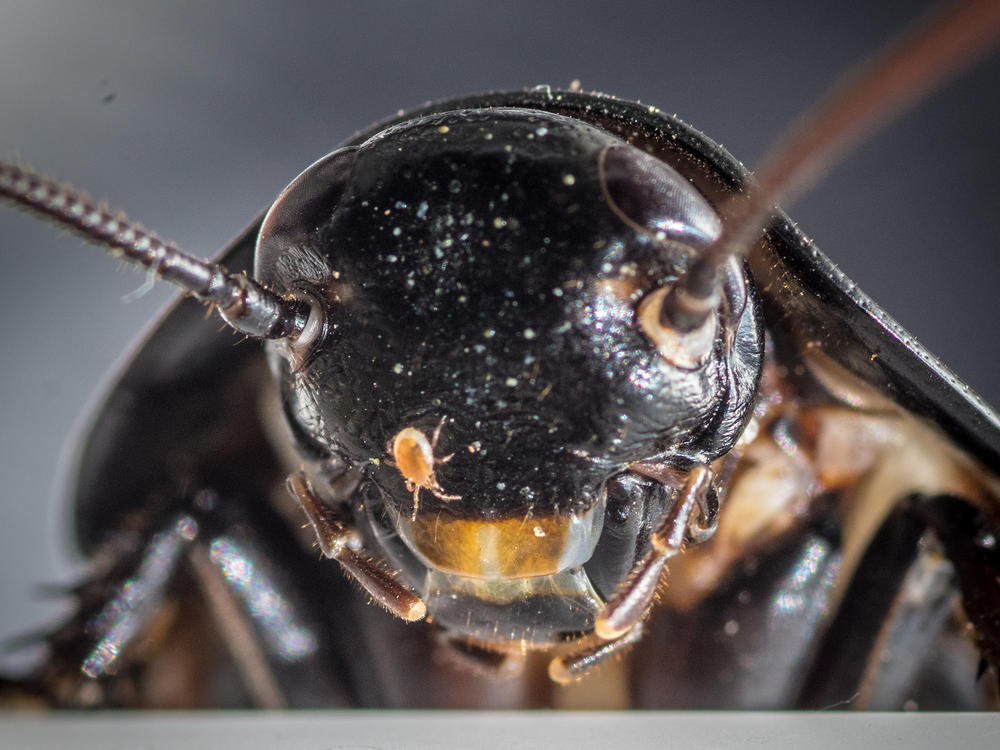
537	381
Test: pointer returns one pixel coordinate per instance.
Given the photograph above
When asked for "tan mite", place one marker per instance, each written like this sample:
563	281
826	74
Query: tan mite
414	457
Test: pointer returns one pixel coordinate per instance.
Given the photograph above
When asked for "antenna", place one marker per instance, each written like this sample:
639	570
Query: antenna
921	60
242	302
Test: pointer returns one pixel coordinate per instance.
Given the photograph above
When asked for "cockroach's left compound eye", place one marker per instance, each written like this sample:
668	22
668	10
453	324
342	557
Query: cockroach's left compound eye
495	364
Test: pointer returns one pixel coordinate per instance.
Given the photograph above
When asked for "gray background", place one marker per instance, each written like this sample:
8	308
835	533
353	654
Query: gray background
192	119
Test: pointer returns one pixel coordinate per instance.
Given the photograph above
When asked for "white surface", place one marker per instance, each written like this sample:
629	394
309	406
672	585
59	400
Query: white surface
500	731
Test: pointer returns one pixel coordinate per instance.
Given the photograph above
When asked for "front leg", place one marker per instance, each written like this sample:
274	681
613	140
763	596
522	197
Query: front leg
337	540
208	603
929	580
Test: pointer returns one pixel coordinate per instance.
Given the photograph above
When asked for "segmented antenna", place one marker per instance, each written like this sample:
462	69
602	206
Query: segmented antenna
934	50
243	303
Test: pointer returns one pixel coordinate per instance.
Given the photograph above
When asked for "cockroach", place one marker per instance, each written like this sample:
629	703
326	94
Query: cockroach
568	407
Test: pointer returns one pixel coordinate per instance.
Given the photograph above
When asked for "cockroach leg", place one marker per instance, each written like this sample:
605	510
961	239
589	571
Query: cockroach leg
971	540
634	597
335	538
125	597
571	667
238	633
130	608
901	635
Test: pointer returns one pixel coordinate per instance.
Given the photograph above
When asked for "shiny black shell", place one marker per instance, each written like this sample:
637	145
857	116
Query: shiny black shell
480	270
185	410
128	450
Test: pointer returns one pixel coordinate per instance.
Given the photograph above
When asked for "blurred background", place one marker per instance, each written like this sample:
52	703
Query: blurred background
192	117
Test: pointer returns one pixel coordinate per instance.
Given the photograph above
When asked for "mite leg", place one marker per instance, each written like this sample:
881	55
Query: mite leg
899	638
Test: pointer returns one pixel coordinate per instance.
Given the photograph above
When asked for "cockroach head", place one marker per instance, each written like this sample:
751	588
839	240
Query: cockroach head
490	282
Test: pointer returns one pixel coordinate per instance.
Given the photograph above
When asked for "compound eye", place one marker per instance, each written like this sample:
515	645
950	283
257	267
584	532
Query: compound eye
653	198
303	207
685	351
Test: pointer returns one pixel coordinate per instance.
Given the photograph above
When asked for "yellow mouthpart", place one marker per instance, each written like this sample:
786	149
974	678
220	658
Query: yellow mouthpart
507	548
